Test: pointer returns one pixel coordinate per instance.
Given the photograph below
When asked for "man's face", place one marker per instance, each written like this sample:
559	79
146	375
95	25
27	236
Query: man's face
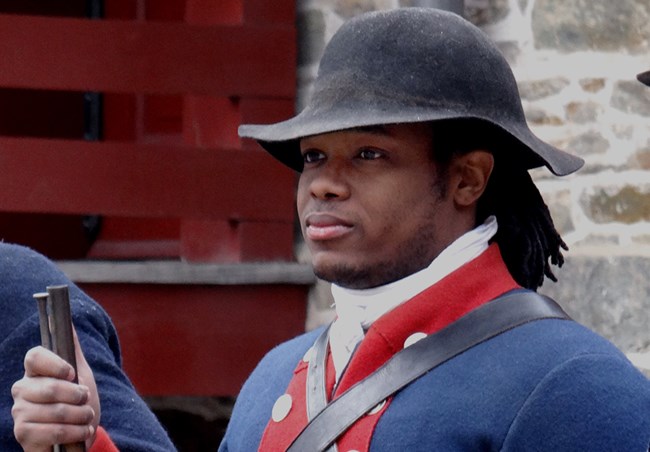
371	205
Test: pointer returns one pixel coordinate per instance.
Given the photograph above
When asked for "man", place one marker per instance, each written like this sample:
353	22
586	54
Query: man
415	201
124	415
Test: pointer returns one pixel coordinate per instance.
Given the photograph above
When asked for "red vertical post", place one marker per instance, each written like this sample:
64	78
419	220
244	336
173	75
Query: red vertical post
211	122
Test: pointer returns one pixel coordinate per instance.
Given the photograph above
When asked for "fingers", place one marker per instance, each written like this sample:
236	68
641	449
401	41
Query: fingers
39	425
48	407
55	413
41	362
41	437
49	390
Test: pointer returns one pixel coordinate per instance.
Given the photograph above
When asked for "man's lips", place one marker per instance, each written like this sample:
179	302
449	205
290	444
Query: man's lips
325	227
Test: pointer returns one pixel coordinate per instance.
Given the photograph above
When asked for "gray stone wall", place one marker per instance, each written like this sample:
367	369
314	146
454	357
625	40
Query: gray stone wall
575	62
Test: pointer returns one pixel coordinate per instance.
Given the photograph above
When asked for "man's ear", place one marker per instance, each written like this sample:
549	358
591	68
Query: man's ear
471	172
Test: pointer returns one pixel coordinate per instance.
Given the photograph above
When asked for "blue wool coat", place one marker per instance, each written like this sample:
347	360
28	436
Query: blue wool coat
550	385
128	420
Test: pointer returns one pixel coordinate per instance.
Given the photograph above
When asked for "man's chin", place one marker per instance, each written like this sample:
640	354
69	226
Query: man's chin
347	276
339	274
362	275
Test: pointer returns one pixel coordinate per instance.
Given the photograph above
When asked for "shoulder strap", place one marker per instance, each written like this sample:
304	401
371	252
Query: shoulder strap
493	318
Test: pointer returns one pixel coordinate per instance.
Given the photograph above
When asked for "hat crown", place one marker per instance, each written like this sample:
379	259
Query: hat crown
416	57
411	65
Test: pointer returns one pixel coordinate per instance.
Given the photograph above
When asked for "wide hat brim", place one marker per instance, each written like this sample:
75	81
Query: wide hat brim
411	65
644	77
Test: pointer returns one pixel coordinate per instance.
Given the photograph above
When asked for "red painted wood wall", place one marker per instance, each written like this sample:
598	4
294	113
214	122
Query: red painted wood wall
167	178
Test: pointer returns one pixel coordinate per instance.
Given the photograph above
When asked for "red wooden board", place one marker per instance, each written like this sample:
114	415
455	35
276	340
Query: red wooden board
147	57
66	176
198	340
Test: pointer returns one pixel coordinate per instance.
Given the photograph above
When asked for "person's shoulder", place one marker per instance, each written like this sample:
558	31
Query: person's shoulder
581	392
262	388
566	339
580	357
287	354
300	342
23	270
589	359
7	248
585	373
276	368
538	350
547	344
591	401
15	255
560	338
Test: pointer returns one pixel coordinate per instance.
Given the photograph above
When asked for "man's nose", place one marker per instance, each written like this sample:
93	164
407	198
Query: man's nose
330	183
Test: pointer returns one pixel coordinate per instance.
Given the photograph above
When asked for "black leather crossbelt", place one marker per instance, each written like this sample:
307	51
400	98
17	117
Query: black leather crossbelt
327	421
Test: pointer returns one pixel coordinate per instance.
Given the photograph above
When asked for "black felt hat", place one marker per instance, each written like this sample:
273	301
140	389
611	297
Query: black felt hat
644	77
410	65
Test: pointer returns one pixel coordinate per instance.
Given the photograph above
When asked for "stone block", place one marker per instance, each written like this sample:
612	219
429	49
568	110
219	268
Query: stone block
602	25
588	143
643	239
631	96
456	6
539	89
592	85
627	204
598	241
486	12
610	295
540	117
582	112
641	159
350	8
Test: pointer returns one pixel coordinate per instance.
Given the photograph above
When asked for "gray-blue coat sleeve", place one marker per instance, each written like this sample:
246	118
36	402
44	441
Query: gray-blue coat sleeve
128	420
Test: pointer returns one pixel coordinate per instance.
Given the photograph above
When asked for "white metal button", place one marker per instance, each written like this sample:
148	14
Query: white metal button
281	407
413	338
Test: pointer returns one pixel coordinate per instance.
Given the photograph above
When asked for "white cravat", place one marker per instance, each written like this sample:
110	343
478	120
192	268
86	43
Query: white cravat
356	310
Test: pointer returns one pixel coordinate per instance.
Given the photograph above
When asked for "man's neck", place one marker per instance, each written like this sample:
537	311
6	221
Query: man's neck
357	309
379	300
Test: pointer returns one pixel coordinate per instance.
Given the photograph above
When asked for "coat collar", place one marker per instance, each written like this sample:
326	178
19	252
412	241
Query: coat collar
472	285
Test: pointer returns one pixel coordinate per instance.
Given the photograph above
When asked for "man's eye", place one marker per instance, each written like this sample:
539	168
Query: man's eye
370	154
312	156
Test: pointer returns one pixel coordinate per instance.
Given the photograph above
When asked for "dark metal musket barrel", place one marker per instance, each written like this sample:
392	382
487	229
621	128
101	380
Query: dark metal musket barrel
55	324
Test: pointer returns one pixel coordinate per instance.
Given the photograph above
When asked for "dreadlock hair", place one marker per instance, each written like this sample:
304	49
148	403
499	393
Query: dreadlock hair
526	236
